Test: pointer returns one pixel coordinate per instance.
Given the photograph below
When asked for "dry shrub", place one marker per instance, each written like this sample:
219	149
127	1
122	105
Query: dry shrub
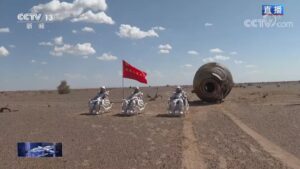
155	96
42	92
265	95
63	88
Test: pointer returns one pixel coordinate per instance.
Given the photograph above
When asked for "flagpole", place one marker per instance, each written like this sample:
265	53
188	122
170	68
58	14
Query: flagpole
123	78
123	86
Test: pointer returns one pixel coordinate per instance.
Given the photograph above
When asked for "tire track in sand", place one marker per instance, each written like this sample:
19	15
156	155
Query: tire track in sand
274	150
191	157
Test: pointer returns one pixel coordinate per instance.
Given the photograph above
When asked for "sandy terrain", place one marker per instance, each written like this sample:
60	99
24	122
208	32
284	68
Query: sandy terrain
255	128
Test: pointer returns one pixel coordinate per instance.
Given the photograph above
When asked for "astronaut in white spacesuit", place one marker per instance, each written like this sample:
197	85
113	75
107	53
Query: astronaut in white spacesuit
178	102
98	99
135	100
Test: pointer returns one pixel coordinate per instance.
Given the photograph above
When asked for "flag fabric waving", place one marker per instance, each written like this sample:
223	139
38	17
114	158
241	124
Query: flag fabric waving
131	72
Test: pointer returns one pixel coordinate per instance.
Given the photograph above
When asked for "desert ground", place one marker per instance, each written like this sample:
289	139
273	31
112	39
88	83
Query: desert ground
256	127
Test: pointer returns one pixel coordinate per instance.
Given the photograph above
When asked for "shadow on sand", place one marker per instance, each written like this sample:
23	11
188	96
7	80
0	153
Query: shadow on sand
167	116
6	111
116	101
89	114
202	103
124	115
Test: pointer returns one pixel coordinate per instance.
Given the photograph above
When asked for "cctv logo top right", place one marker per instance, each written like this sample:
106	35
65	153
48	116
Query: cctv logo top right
272	16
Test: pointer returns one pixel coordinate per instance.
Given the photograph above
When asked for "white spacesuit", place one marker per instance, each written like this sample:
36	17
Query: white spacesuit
101	95
132	101
179	94
178	102
136	94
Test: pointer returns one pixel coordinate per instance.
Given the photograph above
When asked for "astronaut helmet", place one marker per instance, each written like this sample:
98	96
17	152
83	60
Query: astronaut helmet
178	89
136	89
102	89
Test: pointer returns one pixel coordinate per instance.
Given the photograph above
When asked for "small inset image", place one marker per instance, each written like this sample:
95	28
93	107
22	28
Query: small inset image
39	149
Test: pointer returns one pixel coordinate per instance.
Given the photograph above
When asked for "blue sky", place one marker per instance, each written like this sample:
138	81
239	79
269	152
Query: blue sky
168	39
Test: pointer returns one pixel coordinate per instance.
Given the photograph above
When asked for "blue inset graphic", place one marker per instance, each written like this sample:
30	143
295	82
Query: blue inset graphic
39	149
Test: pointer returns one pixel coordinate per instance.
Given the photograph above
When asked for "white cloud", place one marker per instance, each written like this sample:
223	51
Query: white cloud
78	49
250	66
76	10
58	40
187	66
221	57
87	29
92	4
160	28
238	62
233	53
4	30
216	50
45	44
217	57
60	48
132	32
192	52
60	10
3	51
12	46
85	57
34	61
74	31
107	57
208	59
208	24
91	17
165	49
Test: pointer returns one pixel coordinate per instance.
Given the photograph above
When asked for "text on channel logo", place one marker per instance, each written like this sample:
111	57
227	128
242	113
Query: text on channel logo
272	10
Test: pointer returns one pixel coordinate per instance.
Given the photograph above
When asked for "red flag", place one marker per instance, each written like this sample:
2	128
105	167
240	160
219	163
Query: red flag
131	72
